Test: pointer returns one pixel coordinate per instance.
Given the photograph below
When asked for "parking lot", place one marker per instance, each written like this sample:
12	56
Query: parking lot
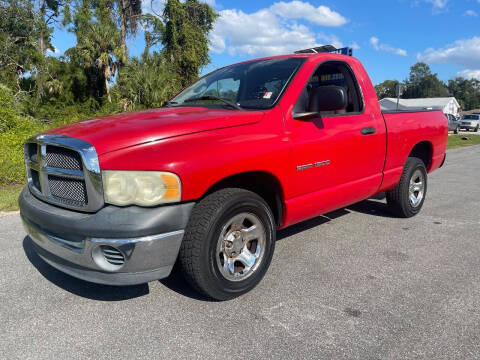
353	284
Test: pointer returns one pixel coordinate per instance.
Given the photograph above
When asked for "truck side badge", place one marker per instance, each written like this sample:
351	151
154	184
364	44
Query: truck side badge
304	167
317	164
322	163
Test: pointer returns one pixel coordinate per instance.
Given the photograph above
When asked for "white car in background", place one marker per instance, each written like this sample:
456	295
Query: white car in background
470	122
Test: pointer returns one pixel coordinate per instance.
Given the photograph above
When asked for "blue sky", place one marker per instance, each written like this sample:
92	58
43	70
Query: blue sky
388	36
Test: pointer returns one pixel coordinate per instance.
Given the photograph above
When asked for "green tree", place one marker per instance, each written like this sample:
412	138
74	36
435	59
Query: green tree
148	82
98	47
66	82
19	52
182	31
422	83
387	89
25	32
47	15
48	12
153	32
185	36
466	91
129	12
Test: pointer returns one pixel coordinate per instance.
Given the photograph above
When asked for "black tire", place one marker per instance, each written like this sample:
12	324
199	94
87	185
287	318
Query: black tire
398	198
476	129
197	257
456	130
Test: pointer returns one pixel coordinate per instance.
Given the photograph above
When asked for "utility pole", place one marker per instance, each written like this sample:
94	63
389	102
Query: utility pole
399	92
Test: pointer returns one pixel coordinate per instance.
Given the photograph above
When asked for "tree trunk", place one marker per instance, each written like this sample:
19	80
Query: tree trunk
41	42
107	88
41	48
146	50
123	29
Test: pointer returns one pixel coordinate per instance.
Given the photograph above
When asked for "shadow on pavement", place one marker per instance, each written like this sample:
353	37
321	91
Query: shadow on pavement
308	224
372	206
177	283
79	287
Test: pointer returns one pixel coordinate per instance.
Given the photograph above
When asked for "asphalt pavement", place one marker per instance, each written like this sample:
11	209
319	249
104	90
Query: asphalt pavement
353	284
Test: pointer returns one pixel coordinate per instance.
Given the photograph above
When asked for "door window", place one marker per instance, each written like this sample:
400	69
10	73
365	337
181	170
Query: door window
329	74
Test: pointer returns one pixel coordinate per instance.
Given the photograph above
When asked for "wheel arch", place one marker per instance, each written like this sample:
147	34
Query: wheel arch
424	151
263	183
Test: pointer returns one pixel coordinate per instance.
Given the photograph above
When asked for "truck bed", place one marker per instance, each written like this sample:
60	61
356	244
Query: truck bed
405	129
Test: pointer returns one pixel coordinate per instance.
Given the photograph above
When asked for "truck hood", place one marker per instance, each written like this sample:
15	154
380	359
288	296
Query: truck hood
119	131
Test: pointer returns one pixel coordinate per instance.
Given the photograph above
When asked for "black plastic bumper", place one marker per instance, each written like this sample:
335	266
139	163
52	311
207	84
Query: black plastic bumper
109	222
148	239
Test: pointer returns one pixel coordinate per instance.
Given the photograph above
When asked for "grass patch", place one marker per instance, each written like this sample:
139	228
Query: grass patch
9	197
455	141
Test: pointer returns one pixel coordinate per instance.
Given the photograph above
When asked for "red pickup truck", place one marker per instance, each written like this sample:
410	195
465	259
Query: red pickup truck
207	180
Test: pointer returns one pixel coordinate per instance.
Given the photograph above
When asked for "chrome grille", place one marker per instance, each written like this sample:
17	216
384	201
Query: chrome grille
35	179
64	171
62	158
67	190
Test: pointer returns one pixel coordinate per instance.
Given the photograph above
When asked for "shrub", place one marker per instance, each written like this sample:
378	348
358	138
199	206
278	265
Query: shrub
9	114
20	128
147	83
12	168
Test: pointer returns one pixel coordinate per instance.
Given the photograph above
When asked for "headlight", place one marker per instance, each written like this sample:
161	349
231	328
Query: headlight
144	188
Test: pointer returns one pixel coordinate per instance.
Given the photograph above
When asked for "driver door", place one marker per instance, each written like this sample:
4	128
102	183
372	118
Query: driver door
338	156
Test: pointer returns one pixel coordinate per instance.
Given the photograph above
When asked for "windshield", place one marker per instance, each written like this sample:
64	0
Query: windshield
471	117
251	85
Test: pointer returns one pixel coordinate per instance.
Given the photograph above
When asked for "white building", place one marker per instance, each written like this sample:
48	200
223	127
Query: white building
449	105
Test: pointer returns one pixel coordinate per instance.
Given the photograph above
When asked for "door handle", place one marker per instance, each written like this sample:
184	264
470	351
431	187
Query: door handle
368	130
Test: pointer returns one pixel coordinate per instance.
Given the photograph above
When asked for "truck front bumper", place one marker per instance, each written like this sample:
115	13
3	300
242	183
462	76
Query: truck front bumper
115	246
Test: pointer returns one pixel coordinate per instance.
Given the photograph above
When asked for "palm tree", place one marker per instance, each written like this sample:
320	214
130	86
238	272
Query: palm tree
97	47
129	12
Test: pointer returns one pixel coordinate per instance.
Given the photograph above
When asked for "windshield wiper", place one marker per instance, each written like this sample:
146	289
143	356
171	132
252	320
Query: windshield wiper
170	103
213	97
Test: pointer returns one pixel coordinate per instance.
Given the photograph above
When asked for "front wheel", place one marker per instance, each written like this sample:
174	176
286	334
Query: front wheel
407	198
476	129
455	131
228	244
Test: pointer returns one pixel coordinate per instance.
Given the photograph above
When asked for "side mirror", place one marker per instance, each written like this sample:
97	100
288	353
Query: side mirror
306	115
327	98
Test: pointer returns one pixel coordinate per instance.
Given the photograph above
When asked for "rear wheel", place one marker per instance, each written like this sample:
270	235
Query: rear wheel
228	243
406	199
455	131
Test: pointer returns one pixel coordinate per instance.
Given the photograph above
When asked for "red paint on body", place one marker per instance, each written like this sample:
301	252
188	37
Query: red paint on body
203	146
